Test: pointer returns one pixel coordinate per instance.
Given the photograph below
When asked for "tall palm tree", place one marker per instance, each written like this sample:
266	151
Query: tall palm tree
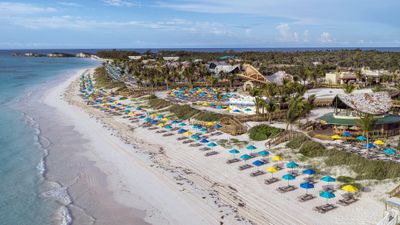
366	123
349	88
295	110
271	107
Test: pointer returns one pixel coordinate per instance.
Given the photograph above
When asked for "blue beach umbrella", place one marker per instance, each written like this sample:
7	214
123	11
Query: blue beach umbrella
263	153
147	119
217	126
234	151
175	122
288	177
292	165
236	111
390	151
346	134
181	131
258	163
182	124
203	130
127	111
328	179
195	137
307	186
154	121
326	194
251	147
168	127
370	145
212	144
309	171
159	116
361	138
203	141
245	157
142	117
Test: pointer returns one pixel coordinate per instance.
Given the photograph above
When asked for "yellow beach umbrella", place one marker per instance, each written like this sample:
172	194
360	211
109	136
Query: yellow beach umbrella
161	125
229	109
188	133
379	142
165	119
349	188
210	124
276	158
272	169
336	136
205	104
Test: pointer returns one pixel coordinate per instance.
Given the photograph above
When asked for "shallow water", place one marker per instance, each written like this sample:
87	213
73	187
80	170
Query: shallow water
27	197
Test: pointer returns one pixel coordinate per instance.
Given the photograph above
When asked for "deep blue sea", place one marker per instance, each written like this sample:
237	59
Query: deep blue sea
22	181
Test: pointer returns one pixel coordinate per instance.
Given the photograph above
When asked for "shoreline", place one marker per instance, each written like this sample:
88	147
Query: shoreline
194	188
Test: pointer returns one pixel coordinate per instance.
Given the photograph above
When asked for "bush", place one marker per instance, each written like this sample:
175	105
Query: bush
263	132
183	112
209	116
312	149
157	103
104	81
296	142
344	179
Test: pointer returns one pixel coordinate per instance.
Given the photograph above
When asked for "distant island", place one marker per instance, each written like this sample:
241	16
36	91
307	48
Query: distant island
54	55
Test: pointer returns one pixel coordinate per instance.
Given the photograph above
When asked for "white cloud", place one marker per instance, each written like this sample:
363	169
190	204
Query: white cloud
70	4
326	37
285	34
306	35
119	3
13	8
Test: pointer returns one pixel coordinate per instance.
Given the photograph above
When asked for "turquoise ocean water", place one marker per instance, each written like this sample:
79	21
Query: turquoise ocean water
23	197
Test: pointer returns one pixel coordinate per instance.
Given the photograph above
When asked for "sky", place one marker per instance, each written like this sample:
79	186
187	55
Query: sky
41	24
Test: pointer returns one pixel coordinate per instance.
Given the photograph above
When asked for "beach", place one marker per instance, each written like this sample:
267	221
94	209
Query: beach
126	173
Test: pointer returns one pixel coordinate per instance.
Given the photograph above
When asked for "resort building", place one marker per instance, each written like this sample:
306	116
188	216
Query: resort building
375	75
278	77
340	77
348	108
222	67
135	57
83	55
171	58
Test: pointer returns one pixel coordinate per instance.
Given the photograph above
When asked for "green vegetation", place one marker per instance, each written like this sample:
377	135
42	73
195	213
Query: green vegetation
296	142
114	54
345	179
263	132
365	168
104	81
183	112
157	103
210	116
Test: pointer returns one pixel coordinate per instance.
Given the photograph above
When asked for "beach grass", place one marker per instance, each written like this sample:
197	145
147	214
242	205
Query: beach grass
263	132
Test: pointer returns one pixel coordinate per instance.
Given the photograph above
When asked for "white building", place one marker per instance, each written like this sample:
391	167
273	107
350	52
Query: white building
135	57
171	58
340	77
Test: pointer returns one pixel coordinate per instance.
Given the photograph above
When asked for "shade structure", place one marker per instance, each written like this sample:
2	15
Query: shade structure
212	144
258	163
147	119
309	171
335	137
245	157
390	151
196	126
292	165
276	158
328	179
217	126
263	153
370	145
154	121
379	142
361	138
346	134
167	127
143	116
327	194
187	133
159	116
288	177
272	169
181	131
307	185
175	122
236	110
196	137
350	188
161	124
203	141
182	124
203	129
165	119
251	147
234	151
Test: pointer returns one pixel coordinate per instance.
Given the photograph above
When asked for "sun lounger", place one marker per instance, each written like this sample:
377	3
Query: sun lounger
305	197
347	201
211	153
230	161
195	145
271	180
257	173
325	208
187	141
245	167
167	135
161	131
294	173
285	189
153	128
205	149
181	138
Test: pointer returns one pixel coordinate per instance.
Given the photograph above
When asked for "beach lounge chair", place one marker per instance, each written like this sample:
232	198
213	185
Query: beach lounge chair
245	167
211	153
167	135
181	138
153	128
271	180
253	155
161	131
205	149
347	201
325	208
257	173
285	189
305	197
187	141
195	145
230	161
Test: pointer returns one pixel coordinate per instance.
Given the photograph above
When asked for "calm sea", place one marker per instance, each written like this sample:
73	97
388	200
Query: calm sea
25	195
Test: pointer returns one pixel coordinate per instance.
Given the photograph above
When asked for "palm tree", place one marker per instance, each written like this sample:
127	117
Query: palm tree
366	123
349	88
271	107
295	110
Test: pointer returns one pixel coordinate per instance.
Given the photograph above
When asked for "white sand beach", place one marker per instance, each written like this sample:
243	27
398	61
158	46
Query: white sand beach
176	184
